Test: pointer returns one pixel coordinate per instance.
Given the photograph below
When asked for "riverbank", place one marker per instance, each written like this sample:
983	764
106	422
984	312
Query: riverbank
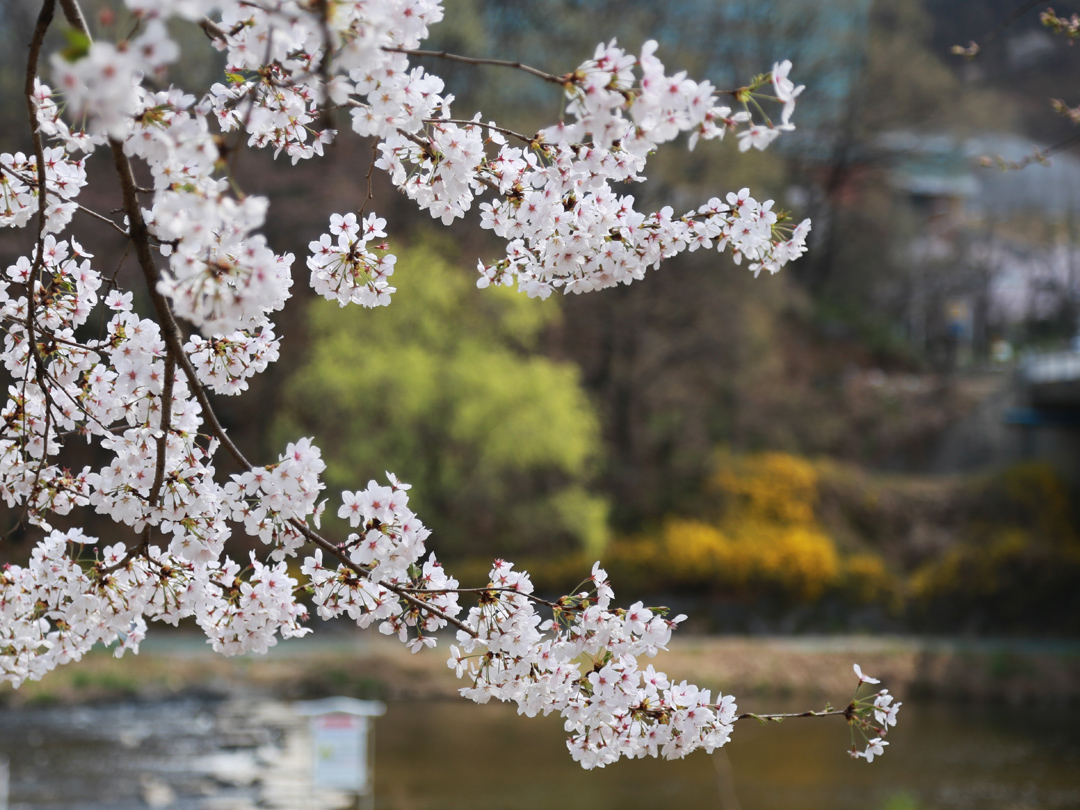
755	669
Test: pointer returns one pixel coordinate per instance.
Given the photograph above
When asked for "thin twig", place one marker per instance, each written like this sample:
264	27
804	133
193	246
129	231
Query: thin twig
562	81
74	16
787	715
400	590
1019	12
973	48
1038	156
63	341
370	171
529	596
43	195
102	218
493	127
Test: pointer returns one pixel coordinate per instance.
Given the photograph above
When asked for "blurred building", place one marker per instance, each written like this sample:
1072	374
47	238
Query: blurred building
1001	223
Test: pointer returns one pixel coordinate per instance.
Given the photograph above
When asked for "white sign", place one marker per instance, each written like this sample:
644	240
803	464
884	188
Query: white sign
340	747
339	735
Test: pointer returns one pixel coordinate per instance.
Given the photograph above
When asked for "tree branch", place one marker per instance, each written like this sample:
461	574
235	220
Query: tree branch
371	169
165	427
776	718
973	48
103	218
212	29
562	81
538	600
140	236
508	132
41	27
74	16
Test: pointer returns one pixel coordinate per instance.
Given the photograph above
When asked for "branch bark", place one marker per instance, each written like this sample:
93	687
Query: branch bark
562	81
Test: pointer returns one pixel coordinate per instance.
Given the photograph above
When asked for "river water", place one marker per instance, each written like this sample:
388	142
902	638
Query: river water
237	754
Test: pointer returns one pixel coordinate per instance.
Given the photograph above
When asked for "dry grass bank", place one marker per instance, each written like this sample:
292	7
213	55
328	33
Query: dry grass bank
756	670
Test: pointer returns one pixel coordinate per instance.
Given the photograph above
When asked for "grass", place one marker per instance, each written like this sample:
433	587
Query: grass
758	669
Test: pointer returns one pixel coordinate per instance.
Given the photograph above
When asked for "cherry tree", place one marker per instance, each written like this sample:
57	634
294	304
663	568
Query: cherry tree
143	391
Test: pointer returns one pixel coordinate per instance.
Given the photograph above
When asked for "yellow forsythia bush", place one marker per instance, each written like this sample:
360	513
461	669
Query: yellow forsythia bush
774	487
799	560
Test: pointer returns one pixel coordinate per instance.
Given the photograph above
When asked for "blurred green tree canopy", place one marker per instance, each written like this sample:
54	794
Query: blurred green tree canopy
446	388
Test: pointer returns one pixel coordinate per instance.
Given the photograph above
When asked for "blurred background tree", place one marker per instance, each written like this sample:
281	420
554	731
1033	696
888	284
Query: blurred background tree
449	389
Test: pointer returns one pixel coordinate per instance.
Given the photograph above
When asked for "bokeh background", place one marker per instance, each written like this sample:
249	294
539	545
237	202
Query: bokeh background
883	439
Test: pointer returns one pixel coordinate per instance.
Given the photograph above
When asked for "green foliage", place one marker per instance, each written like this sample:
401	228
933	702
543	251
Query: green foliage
445	389
78	45
901	800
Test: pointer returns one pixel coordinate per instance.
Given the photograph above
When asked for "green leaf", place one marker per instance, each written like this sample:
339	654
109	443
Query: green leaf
78	45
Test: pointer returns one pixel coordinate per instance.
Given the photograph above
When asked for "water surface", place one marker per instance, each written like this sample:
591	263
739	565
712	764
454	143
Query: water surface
202	754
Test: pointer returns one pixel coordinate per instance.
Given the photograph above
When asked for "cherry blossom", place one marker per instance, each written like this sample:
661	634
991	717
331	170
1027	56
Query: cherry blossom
143	392
786	91
874	748
344	270
863	678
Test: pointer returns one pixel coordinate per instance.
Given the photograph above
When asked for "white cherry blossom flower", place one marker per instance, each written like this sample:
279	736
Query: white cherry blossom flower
863	678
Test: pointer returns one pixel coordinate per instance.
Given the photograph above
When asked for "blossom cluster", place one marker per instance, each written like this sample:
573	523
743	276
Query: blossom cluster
141	389
271	502
556	206
225	363
19	198
54	610
379	577
871	717
344	270
613	709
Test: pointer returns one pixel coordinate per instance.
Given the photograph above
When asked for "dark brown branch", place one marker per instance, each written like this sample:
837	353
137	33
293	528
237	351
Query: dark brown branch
326	119
140	237
973	48
784	716
562	81
44	20
529	596
165	427
74	16
1038	156
508	132
371	169
102	218
174	342
212	29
